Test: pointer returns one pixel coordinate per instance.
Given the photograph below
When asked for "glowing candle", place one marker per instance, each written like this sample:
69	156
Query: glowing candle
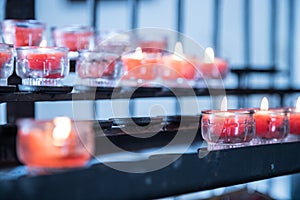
178	65
141	65
295	119
213	67
55	144
227	126
270	124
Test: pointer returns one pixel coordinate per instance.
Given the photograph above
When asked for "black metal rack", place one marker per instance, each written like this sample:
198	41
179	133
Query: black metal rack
190	172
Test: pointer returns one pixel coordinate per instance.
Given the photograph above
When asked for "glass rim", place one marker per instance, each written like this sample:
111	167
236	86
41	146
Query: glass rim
98	52
6	45
27	48
23	21
233	111
72	28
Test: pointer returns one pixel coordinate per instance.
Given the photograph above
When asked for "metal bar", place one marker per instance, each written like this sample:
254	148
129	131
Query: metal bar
273	32
291	40
273	38
180	14
16	9
17	110
216	25
133	7
247	31
180	19
92	6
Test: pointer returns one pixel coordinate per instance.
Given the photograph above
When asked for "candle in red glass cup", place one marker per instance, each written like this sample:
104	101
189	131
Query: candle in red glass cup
213	67
23	32
42	65
177	65
141	66
295	119
74	37
54	144
271	124
6	62
227	127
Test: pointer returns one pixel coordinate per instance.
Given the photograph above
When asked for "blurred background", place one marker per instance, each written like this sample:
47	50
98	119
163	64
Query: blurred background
259	39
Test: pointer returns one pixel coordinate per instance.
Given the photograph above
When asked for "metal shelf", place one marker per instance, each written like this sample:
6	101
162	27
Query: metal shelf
189	173
127	92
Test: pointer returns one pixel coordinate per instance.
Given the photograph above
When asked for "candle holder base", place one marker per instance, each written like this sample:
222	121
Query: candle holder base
42	82
97	82
221	146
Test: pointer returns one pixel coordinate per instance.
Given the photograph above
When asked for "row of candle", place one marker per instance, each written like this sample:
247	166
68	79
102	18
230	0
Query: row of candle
226	128
50	65
61	143
149	62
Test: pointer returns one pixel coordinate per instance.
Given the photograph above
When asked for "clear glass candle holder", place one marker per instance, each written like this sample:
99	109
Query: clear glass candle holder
42	66
74	37
22	32
271	125
96	68
6	63
227	129
47	146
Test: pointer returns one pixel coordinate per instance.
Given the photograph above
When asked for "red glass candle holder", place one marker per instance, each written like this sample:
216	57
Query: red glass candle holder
6	63
22	32
294	115
47	146
74	37
216	70
226	129
96	68
143	69
271	125
177	71
46	66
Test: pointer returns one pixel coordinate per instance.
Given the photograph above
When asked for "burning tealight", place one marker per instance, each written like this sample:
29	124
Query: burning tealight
140	67
50	145
295	119
212	67
178	67
271	124
227	128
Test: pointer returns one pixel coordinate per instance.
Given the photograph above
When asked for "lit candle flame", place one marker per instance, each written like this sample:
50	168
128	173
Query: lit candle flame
138	54
61	130
298	105
224	104
209	55
264	104
43	43
178	51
